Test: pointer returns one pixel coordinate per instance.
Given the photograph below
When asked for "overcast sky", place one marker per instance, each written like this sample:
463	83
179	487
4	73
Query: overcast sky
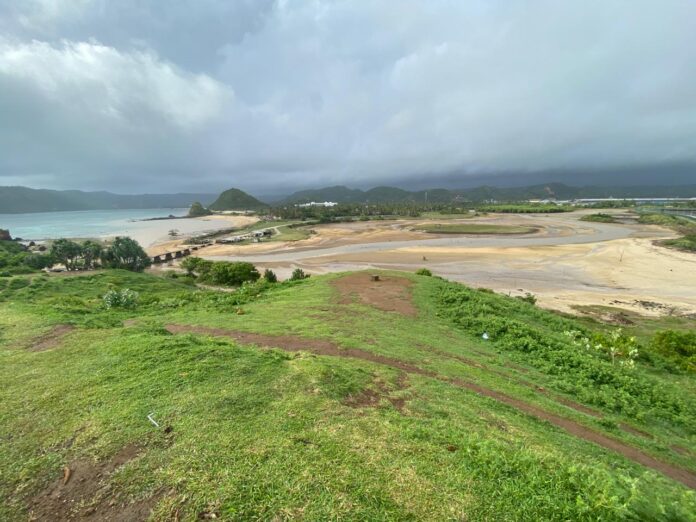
199	95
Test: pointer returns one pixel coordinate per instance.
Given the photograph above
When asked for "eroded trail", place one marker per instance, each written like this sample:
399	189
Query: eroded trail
324	347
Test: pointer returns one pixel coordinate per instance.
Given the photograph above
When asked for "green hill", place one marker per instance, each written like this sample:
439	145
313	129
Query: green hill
333	398
235	199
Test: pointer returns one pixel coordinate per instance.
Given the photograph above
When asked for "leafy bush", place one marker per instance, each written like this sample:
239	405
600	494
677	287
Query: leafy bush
196	265
230	274
298	274
125	298
424	272
528	297
597	368
269	275
679	347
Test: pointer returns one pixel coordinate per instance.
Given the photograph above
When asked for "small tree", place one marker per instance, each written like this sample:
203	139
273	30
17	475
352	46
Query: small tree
195	266
424	272
91	253
231	274
126	253
269	275
298	274
66	252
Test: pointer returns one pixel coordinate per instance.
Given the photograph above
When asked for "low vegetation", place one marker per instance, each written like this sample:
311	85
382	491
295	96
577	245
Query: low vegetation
524	208
599	218
681	225
220	273
474	228
303	400
686	243
17	259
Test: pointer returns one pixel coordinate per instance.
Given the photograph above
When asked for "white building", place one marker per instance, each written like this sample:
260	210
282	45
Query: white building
318	204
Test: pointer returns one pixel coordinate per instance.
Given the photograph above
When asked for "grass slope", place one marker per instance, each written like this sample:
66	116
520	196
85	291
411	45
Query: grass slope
259	434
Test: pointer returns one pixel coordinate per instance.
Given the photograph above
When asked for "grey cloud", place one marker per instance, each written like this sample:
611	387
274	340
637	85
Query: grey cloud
265	95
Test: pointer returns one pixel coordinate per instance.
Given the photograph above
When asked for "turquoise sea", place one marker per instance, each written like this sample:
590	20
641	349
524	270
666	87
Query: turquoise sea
83	223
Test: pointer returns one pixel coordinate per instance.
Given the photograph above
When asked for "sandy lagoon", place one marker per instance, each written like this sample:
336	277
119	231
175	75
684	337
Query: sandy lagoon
566	264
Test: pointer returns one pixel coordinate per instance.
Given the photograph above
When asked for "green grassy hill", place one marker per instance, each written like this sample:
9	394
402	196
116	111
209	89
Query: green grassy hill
235	199
331	398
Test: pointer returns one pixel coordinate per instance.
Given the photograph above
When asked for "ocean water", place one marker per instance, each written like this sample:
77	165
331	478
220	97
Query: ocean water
86	223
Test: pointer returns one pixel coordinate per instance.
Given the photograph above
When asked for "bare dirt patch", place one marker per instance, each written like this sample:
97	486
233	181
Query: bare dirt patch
389	293
322	347
51	339
371	397
82	492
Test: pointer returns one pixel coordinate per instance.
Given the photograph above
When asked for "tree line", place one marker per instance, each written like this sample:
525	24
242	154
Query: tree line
123	252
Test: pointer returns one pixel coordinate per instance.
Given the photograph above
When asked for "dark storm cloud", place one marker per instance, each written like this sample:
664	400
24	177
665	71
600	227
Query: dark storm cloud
150	95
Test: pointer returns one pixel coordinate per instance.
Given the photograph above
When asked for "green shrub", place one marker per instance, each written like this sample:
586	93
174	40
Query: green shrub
424	272
230	274
678	347
196	266
269	276
298	274
595	367
528	297
125	298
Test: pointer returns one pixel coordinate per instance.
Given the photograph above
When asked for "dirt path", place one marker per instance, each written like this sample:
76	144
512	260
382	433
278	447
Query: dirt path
82	491
391	294
51	339
323	347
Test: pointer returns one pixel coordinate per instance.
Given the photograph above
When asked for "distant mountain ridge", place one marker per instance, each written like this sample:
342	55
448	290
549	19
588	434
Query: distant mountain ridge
341	194
17	200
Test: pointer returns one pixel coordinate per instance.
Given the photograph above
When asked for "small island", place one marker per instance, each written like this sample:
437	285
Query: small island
198	210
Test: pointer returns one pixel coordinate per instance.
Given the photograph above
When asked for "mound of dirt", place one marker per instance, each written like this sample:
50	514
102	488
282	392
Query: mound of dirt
82	492
391	294
51	339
